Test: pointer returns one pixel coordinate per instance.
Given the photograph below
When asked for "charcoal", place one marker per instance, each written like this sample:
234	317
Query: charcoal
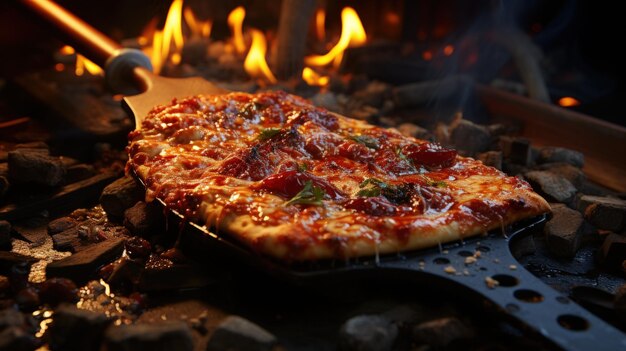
67	240
170	336
142	218
523	246
237	333
415	131
81	265
613	251
5	235
77	329
552	186
125	270
469	137
35	166
560	154
10	259
10	317
491	159
440	332
60	225
79	172
513	168
367	333
5	285
17	339
573	174
563	231
177	276
119	196
516	150
585	201
607	214
4	186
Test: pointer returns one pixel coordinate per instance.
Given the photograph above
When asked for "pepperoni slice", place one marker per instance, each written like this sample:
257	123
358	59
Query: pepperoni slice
375	206
288	184
430	155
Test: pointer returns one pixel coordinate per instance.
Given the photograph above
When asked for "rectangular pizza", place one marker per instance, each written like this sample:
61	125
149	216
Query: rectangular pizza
296	182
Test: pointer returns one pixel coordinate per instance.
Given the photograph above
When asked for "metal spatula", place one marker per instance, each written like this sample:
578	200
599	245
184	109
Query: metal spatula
125	69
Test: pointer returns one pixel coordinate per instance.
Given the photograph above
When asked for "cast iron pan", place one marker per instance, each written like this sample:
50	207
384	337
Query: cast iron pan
519	294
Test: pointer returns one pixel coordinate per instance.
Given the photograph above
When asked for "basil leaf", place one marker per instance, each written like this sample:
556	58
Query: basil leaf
366	140
309	195
268	133
302	167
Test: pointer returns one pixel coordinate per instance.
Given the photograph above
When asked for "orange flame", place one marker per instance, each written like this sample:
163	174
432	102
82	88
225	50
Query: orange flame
197	27
568	101
166	43
235	21
320	24
84	64
313	78
255	63
352	34
67	50
448	50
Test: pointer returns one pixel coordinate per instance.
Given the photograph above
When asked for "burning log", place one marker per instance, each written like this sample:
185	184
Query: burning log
292	32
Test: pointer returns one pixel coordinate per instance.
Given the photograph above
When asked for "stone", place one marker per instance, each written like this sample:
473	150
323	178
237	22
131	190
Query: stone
552	186
170	336
523	246
5	235
560	154
563	231
77	329
367	333
491	159
17	339
583	201
8	259
66	240
440	332
81	265
415	131
141	219
469	137
573	174
607	213
613	251
10	317
516	150
237	333
120	195
35	166
61	224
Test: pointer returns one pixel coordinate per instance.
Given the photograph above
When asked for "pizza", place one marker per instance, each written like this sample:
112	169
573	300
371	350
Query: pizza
296	182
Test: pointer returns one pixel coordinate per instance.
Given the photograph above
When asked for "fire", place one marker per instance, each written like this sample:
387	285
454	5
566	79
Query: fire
448	50
84	64
255	63
568	101
320	24
313	78
67	50
198	28
235	21
167	43
352	34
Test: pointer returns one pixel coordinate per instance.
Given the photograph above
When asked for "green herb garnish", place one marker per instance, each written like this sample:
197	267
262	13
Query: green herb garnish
373	187
438	184
309	195
302	167
366	140
268	133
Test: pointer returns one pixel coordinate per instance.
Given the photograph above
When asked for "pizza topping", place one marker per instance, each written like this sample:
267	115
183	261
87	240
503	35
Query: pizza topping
397	194
289	184
375	206
319	117
430	155
268	133
366	140
309	195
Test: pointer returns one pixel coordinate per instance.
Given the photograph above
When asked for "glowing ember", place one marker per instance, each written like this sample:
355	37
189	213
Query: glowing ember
255	63
313	78
235	21
352	34
67	50
320	24
448	50
84	64
197	27
568	101
427	55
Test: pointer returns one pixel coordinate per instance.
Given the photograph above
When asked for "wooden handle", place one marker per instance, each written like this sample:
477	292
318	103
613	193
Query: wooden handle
88	40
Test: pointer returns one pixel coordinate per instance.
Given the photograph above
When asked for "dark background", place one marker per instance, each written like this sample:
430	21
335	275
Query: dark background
580	39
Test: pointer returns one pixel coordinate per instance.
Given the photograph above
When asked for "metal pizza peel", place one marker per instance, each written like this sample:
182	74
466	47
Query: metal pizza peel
494	278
